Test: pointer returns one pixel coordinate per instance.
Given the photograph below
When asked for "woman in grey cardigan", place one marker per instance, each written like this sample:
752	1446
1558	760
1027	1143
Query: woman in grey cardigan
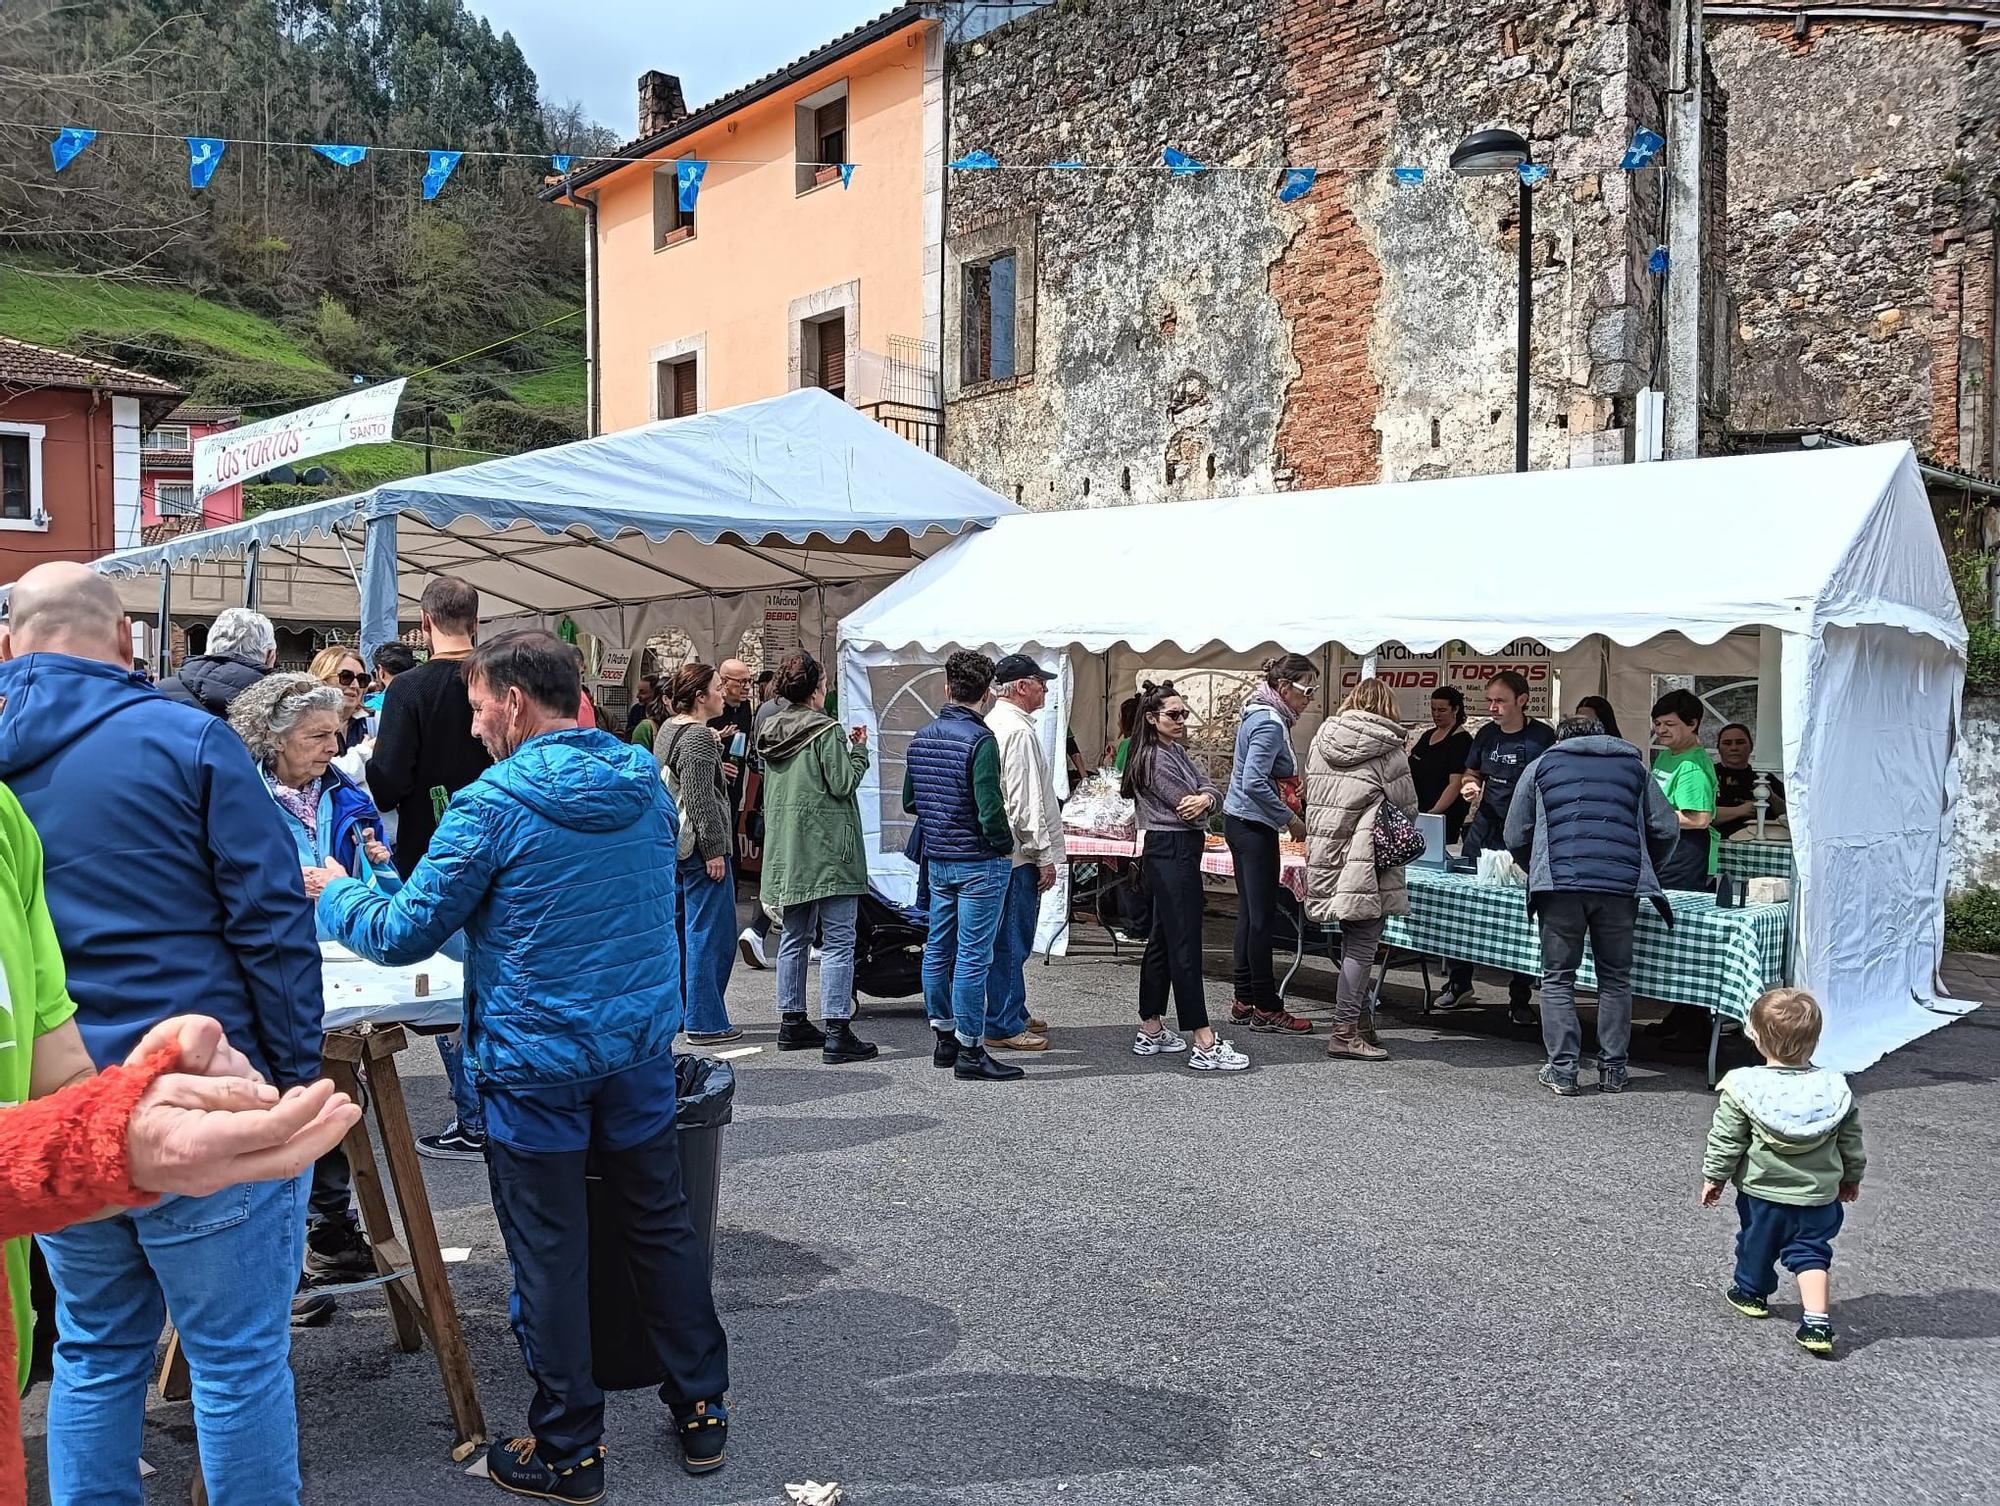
688	751
1255	816
1175	800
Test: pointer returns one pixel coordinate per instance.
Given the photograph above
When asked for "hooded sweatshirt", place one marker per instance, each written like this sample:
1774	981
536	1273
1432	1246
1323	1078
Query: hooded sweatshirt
812	825
1785	1134
529	859
171	880
1356	765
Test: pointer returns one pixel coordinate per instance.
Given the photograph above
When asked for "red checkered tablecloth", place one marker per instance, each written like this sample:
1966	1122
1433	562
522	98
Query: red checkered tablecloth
1216	862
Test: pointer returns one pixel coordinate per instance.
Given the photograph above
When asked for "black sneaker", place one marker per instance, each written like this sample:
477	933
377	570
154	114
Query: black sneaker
1562	1084
703	1430
1747	1303
797	1033
944	1049
1612	1080
1521	1010
453	1143
1453	999
311	1309
336	1253
515	1467
1815	1336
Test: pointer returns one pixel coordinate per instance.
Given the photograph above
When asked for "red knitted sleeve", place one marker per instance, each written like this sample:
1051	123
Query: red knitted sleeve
62	1158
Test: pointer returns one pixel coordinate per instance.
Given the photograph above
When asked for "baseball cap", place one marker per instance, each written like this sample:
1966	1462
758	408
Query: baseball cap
1019	667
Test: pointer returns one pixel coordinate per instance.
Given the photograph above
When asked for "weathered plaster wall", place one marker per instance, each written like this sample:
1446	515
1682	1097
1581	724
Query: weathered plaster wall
1194	337
1155	336
1975	857
1860	246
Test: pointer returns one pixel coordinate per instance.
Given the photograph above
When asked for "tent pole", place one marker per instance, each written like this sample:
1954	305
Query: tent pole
250	574
165	655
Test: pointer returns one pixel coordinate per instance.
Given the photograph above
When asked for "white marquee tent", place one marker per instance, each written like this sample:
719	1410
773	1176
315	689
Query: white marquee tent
796	493
1830	559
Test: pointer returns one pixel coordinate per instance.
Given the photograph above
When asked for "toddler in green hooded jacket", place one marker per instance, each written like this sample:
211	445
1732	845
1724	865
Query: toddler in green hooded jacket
1789	1136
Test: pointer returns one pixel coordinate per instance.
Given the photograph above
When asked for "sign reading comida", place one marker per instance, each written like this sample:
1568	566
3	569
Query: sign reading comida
364	416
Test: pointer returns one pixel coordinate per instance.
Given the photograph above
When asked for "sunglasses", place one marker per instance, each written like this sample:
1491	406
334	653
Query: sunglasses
349	677
1307	691
1176	716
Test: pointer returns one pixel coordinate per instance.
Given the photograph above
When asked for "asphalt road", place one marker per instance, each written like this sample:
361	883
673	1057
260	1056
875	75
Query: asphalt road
1116	1282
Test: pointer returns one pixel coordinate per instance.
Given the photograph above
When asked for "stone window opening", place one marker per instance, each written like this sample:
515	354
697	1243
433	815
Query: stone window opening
680	389
671	223
821	137
987	335
823	353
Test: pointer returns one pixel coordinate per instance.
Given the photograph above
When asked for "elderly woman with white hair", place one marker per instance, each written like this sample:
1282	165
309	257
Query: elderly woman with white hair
291	723
242	647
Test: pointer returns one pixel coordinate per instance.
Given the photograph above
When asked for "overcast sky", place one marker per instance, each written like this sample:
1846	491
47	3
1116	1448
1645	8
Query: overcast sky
595	50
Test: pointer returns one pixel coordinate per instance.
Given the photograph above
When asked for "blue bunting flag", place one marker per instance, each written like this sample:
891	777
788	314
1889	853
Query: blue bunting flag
688	174
1180	164
1296	183
346	156
1533	172
1644	148
561	161
1409	175
204	153
977	161
1657	262
439	172
846	173
69	141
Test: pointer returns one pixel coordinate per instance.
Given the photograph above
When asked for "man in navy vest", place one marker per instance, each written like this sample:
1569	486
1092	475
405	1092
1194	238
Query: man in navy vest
952	782
1587	821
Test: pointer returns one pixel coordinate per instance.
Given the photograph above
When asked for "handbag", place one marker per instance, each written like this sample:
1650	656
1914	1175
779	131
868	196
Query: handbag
1398	843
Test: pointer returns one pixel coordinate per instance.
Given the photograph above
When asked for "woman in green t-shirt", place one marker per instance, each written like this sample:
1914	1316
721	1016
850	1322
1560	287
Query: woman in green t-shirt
1685	773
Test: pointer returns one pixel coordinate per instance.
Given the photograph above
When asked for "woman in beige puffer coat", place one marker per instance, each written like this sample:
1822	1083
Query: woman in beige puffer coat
1357	763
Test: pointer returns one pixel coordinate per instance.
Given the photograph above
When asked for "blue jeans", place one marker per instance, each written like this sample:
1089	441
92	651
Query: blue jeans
1013	944
708	946
226	1267
966	901
834	919
470	1113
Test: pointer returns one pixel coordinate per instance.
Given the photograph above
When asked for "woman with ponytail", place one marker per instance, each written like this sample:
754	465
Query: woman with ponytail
1255	813
1174	800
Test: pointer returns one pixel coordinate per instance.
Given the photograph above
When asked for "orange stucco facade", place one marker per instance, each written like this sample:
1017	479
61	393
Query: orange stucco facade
766	258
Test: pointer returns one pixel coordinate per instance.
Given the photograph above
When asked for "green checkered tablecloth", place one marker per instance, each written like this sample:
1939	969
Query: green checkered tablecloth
1747	860
1719	959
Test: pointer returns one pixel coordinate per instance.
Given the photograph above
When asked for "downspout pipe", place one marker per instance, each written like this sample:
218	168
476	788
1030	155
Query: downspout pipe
593	385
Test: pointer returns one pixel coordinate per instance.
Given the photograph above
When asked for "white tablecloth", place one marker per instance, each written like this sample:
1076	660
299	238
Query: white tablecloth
360	993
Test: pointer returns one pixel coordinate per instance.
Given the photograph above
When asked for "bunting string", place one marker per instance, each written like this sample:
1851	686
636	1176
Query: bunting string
1292	182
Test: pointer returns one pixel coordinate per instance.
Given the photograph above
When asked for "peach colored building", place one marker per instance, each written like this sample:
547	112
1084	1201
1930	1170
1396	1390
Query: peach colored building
781	277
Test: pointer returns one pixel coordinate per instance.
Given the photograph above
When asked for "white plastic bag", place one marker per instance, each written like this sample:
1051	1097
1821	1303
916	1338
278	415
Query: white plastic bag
1095	807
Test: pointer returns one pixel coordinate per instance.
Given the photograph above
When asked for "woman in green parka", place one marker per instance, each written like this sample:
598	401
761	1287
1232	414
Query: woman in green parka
814	868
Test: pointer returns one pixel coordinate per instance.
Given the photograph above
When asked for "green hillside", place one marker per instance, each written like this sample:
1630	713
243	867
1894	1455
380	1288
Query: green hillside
234	357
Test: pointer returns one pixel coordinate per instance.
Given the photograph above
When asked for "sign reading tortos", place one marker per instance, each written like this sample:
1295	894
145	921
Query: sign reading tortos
364	416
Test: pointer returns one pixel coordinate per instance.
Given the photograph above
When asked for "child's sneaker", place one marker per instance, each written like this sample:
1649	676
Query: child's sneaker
1815	1336
1161	1042
1748	1303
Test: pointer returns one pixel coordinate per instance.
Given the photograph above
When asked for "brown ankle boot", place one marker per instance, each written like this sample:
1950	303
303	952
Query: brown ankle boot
1347	1040
1366	1025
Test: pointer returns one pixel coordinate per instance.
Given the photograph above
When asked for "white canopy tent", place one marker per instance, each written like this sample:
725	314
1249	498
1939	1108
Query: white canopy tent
1832	559
799	493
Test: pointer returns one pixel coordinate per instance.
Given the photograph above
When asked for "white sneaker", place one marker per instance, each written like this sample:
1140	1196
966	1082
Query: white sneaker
1221	1057
751	947
1163	1042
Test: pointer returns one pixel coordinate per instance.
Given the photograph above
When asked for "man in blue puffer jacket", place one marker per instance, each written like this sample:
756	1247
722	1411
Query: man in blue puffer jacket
564	842
1588	821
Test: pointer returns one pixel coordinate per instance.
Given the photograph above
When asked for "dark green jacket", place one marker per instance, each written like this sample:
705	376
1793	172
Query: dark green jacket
812	825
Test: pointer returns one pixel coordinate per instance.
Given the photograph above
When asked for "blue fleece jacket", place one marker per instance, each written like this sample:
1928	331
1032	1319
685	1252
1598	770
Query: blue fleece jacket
553	861
172	883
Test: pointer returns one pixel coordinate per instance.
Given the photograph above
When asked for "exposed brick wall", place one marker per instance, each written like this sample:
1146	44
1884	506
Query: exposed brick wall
1330	280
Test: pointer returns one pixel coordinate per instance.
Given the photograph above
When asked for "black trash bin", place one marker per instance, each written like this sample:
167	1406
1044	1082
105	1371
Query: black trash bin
621	1357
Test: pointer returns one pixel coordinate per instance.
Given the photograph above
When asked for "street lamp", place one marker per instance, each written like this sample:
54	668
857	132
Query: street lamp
1480	155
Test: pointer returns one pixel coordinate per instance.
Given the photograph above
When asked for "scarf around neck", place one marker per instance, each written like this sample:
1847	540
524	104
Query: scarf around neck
301	804
1267	695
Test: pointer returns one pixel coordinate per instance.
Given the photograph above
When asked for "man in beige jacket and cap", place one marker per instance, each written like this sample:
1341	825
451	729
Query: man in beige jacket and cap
1020	688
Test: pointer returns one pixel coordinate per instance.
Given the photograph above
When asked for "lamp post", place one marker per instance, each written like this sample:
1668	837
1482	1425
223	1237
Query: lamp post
1484	154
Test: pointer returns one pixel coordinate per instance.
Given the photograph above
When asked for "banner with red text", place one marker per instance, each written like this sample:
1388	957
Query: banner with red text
1414	676
366	415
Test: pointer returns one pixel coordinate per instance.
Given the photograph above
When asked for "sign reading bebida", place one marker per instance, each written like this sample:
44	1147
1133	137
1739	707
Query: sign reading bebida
364	416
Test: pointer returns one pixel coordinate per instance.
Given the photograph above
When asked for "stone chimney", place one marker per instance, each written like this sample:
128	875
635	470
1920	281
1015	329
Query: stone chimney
661	103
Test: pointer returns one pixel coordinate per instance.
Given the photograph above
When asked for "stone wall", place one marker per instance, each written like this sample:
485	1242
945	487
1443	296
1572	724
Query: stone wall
1975	855
1860	228
1193	337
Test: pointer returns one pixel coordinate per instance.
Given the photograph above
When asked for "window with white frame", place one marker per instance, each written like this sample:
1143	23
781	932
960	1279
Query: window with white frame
165	437
671	223
175	499
21	476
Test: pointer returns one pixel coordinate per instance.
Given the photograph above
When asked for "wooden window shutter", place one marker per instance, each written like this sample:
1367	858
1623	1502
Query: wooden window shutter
833	356
684	390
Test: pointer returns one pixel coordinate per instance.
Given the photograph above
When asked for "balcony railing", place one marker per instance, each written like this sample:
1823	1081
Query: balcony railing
922	427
